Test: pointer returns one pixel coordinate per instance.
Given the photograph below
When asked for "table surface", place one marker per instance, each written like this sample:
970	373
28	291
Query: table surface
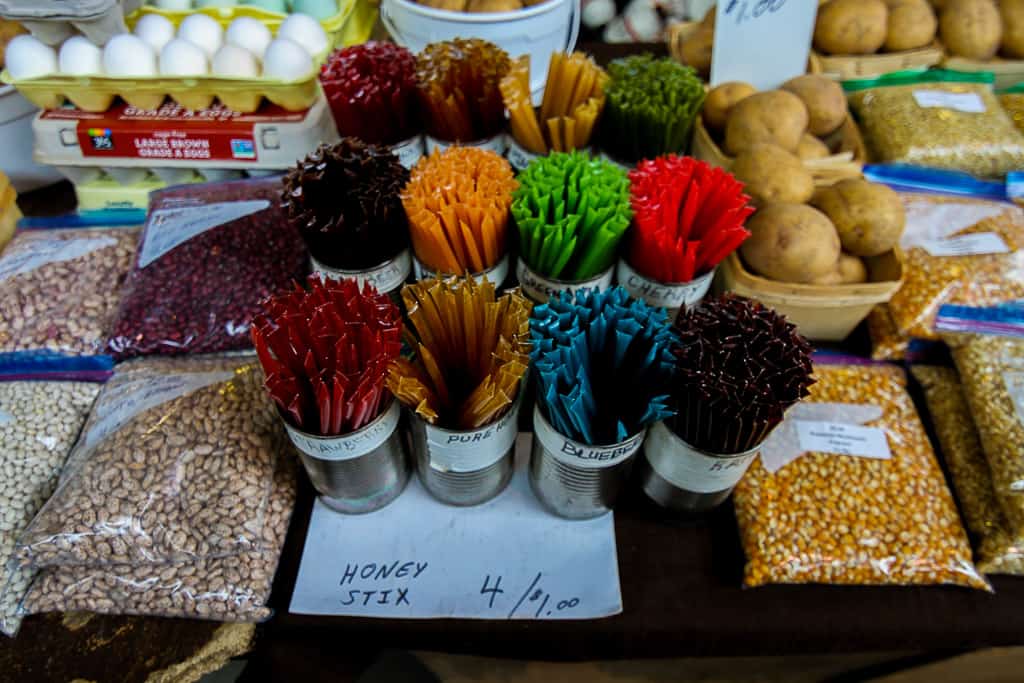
680	589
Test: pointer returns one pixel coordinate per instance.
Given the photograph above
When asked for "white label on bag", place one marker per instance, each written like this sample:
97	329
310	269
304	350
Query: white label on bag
690	469
409	151
971	244
927	221
5	418
43	251
1014	381
968	102
470	451
495	144
349	446
842	439
385	278
518	155
580	455
661	294
541	289
133	398
496	275
168	228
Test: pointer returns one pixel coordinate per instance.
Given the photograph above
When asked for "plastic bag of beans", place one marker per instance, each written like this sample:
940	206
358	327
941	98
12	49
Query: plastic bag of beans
58	290
39	422
869	506
208	255
997	549
175	463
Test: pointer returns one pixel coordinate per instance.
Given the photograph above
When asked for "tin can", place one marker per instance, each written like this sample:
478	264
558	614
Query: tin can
496	274
466	467
668	295
386	278
409	151
682	478
574	480
358	472
539	289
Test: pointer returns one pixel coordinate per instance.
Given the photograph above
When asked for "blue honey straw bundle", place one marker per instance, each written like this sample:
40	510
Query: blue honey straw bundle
603	363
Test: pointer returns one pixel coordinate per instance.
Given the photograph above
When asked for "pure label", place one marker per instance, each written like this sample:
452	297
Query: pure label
541	289
968	102
385	277
5	418
470	451
660	294
168	228
1014	381
690	469
409	152
496	275
580	455
349	446
842	439
971	244
43	251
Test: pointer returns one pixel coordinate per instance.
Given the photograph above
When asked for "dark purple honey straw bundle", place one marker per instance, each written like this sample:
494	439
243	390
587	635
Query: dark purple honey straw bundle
741	365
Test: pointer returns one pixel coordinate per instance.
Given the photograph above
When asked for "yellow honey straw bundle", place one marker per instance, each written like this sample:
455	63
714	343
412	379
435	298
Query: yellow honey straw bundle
472	351
457	203
573	100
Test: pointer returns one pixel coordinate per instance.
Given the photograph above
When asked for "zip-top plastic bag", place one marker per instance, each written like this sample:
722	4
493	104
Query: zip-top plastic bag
938	118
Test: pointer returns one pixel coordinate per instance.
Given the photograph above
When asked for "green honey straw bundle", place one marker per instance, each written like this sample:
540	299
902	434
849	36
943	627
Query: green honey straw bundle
650	107
571	211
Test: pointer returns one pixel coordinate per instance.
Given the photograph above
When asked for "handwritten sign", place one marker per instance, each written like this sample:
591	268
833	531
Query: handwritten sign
761	42
420	559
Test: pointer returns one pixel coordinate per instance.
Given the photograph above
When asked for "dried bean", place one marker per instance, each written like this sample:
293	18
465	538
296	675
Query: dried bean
201	295
840	519
58	288
998	551
136	490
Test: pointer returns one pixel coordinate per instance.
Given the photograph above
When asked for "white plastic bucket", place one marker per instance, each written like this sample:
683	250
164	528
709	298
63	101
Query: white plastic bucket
16	114
551	26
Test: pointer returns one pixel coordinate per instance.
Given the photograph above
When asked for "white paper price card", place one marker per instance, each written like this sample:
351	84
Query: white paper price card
968	102
420	559
762	42
842	439
971	244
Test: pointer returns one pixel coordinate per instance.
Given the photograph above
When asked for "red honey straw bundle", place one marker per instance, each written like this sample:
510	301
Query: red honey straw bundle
688	216
326	351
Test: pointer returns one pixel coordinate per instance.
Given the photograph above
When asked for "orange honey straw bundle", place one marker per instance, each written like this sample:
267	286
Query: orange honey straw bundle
457	203
573	100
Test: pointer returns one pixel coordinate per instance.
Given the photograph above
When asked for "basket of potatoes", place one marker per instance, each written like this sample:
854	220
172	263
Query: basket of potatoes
984	35
807	118
824	264
855	38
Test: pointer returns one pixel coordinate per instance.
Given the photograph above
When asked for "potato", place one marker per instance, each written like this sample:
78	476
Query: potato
1012	12
696	51
868	217
829	279
824	99
720	100
791	243
774	116
811	147
771	174
971	28
851	27
851	269
912	24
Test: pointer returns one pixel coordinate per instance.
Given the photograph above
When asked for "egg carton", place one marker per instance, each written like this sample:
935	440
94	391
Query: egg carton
54	21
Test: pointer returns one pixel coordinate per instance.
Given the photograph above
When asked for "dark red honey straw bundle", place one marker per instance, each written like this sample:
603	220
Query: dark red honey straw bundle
688	216
326	351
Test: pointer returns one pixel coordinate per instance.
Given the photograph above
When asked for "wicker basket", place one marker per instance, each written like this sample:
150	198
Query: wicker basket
823	313
845	67
1008	72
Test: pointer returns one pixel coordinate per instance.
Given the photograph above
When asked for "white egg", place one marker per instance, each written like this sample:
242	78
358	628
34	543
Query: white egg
79	57
156	30
232	60
202	31
182	58
286	60
252	34
306	31
29	57
128	55
174	4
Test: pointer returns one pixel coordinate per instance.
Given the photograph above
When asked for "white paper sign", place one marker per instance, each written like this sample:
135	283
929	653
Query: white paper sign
5	418
169	228
842	439
971	244
40	252
968	102
420	559
762	42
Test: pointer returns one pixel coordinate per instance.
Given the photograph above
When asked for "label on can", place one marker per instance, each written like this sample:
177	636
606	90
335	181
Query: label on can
409	151
496	275
348	446
168	228
661	294
580	455
519	156
540	289
386	277
475	450
690	469
42	251
495	144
